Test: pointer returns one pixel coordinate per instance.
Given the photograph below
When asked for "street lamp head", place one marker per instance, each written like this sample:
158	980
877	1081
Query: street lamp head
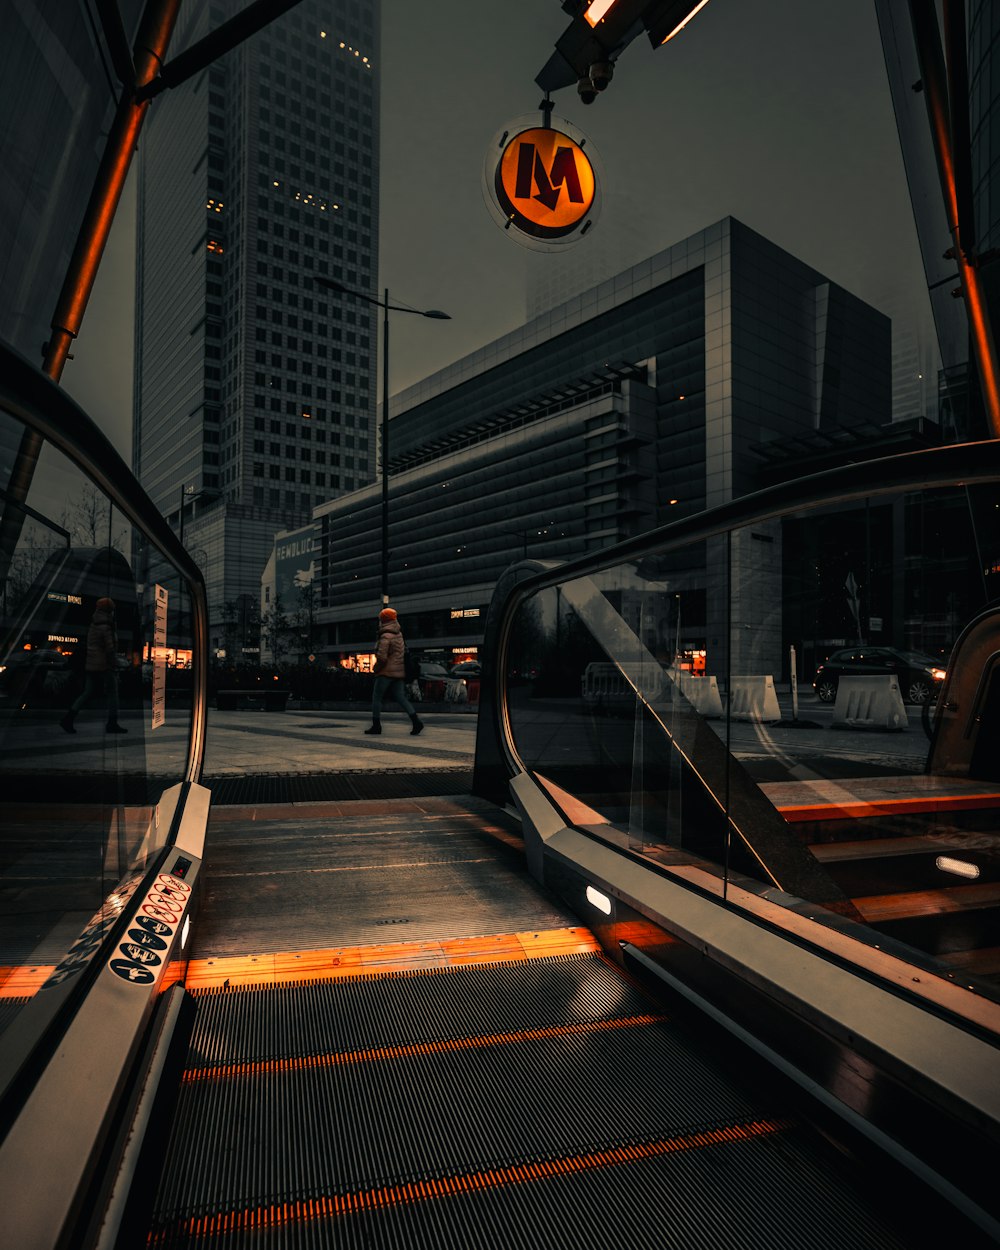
437	314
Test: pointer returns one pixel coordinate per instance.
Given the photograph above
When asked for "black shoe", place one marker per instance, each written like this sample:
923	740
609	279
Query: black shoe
67	723
417	726
112	727
375	729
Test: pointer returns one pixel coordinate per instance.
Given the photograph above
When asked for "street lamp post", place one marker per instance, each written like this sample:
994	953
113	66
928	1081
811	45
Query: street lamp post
386	307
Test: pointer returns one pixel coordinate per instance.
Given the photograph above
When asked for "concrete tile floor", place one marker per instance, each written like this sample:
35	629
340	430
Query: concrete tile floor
245	742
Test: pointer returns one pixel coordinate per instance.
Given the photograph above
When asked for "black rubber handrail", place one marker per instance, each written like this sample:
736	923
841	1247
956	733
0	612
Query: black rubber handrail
45	409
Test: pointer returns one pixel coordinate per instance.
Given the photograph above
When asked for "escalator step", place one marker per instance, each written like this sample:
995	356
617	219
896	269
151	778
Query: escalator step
405	1007
542	1104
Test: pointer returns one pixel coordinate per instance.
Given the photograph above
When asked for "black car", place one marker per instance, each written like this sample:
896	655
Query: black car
920	676
468	668
39	676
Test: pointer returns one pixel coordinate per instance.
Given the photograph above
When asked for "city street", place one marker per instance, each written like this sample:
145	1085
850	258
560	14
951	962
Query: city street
251	742
243	743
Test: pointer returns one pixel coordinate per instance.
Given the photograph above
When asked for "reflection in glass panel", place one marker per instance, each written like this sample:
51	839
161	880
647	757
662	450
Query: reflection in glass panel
619	727
873	597
83	758
809	705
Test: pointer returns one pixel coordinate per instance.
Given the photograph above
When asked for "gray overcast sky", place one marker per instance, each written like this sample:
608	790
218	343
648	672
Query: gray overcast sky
773	111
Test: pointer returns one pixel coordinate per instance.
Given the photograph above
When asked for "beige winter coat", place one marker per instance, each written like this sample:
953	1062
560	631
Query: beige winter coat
389	651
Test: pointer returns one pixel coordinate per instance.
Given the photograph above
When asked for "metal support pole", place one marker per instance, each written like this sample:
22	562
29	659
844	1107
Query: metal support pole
385	449
934	76
150	48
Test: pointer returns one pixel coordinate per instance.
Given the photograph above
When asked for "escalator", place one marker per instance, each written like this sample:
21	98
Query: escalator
920	864
463	1089
606	999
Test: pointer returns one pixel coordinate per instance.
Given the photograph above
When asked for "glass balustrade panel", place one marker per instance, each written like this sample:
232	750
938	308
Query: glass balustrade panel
804	711
95	715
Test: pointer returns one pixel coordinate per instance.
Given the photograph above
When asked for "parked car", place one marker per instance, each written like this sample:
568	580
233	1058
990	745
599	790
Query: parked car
39	676
433	681
468	668
920	676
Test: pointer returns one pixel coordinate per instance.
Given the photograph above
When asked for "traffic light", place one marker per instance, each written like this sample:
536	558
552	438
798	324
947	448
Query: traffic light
600	30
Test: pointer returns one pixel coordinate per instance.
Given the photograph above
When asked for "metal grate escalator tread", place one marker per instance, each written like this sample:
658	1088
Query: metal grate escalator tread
542	1104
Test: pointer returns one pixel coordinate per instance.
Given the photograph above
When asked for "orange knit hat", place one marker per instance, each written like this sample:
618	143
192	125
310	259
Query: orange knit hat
387	614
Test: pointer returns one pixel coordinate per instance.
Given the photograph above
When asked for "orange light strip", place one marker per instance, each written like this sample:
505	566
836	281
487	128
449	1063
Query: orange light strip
599	10
796	813
333	1206
351	961
23	982
304	1063
679	27
982	337
120	146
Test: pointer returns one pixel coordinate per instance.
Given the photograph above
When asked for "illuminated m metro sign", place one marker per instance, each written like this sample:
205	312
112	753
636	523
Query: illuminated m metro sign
545	184
531	173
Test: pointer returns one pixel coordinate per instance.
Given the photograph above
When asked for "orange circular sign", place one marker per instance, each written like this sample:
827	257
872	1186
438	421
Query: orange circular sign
545	183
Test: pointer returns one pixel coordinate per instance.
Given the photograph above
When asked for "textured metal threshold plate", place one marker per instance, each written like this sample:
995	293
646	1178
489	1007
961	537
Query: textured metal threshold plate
337	787
359	874
538	1104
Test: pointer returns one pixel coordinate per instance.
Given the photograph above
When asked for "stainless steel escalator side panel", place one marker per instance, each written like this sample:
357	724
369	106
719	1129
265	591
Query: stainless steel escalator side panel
845	1017
48	1156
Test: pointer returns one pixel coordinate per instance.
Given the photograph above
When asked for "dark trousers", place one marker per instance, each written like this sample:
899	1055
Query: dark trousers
395	688
96	683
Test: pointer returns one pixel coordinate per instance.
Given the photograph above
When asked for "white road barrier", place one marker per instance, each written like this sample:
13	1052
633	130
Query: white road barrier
869	703
702	693
754	698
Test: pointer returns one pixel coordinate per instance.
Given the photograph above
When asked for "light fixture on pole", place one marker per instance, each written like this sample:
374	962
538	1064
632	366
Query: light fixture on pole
187	492
386	307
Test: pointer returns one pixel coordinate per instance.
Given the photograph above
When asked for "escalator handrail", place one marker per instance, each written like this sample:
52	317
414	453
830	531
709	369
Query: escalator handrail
47	410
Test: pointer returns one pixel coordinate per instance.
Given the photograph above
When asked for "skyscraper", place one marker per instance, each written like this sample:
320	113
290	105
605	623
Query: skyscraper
254	387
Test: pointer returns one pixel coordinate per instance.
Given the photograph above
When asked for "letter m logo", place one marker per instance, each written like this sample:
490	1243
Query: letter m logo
531	174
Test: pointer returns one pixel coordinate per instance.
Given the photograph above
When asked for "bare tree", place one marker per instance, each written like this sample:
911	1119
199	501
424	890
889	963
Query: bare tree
88	517
274	630
304	618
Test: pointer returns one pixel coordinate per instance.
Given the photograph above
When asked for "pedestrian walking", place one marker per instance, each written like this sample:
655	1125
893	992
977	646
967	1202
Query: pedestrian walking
100	668
390	670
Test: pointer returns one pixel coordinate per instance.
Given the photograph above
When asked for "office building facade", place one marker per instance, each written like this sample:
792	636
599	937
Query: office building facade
254	387
650	397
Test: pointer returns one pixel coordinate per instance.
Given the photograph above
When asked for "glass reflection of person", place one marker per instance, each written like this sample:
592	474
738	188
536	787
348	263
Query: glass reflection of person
101	668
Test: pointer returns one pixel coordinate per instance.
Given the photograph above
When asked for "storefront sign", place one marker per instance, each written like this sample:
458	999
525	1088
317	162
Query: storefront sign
159	696
294	563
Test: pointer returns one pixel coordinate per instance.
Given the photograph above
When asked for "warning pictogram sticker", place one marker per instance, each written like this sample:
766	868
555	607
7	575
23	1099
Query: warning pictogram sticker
139	959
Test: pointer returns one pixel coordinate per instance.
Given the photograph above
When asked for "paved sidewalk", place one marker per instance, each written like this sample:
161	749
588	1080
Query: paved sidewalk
254	742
